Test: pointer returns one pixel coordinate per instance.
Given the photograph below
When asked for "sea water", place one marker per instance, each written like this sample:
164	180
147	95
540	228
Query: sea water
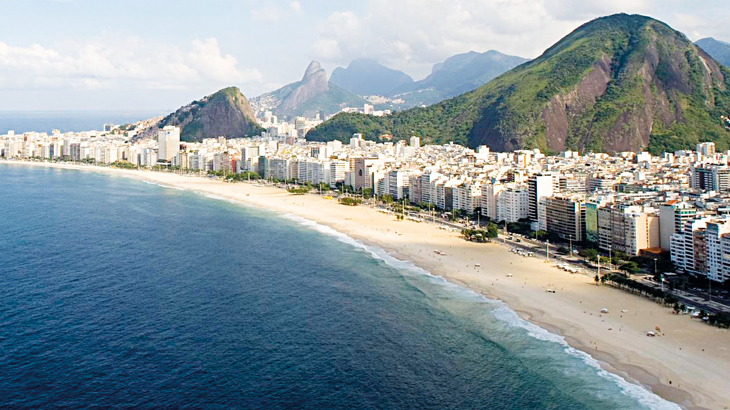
117	293
70	121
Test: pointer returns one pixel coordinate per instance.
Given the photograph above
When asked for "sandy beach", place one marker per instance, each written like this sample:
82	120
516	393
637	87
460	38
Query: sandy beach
688	363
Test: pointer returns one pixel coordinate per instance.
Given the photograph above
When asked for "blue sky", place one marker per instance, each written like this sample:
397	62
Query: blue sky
80	54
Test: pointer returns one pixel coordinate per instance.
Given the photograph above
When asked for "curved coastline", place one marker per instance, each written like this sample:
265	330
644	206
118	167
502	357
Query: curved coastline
664	379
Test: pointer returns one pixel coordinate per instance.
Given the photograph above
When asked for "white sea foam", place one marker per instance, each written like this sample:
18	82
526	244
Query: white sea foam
502	312
163	186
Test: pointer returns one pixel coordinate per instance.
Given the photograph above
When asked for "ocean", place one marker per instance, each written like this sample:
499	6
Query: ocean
70	121
120	293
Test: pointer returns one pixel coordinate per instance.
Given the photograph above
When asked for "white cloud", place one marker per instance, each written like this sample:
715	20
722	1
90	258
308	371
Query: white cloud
326	49
296	6
128	63
207	59
412	35
267	14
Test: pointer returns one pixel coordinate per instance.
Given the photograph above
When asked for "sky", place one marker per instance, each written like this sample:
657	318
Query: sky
162	54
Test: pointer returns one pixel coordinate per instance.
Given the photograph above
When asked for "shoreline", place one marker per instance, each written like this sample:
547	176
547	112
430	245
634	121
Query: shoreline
695	377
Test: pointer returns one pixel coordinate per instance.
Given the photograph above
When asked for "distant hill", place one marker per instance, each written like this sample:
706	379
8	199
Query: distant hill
368	77
464	72
226	113
622	82
307	97
719	50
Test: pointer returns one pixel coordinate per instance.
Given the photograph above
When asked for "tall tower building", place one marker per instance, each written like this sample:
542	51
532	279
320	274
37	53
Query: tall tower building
539	187
168	139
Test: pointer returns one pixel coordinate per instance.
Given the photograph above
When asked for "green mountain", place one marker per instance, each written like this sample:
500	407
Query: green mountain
623	82
225	113
719	50
314	93
367	77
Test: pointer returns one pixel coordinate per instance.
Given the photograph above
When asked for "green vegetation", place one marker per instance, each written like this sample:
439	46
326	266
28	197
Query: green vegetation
640	288
720	319
235	177
299	190
480	235
386	199
590	254
123	165
679	104
630	268
350	201
224	113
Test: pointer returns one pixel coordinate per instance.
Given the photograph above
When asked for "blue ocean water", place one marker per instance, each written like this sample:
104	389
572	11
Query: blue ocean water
70	121
118	293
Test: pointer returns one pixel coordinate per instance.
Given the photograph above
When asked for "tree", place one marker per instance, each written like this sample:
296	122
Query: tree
590	254
538	235
631	268
367	192
350	201
492	231
563	250
387	198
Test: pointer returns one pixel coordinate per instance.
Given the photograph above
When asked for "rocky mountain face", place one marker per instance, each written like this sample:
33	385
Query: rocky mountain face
368	77
226	113
719	50
314	82
307	97
622	82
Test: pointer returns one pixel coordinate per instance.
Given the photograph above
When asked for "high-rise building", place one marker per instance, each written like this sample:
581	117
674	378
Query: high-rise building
702	247
710	178
673	215
706	149
565	217
356	140
513	204
168	139
415	141
490	194
300	124
538	188
250	158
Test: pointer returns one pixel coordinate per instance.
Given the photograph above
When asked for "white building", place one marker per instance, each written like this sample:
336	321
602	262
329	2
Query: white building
513	204
168	140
